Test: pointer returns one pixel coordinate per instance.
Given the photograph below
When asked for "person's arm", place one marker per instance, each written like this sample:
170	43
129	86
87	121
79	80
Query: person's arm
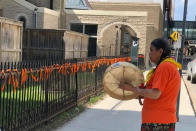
149	93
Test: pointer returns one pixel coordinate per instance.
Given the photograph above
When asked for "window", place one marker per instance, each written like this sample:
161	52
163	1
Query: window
91	30
88	29
77	28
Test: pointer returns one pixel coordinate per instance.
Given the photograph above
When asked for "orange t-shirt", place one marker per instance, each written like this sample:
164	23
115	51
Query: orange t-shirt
167	79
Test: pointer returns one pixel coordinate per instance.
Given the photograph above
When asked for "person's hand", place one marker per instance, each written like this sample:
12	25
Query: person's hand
127	87
139	97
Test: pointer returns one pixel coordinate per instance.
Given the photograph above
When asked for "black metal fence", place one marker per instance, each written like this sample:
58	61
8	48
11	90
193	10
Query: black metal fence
35	91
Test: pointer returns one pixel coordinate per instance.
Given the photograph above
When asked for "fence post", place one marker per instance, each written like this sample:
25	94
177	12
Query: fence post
96	80
76	79
46	94
28	44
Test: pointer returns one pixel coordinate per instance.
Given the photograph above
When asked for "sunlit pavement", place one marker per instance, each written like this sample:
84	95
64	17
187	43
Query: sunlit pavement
114	115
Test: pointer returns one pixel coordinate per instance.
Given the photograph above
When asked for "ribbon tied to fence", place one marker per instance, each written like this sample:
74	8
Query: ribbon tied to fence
66	68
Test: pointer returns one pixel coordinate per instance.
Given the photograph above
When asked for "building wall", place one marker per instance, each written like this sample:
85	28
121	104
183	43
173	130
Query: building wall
50	21
147	28
40	3
46	18
109	41
153	33
131	1
14	10
154	28
138	23
154	10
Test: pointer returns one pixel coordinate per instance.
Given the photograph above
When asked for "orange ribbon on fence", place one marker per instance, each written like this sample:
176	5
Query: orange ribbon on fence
74	69
51	68
78	67
115	60
67	66
33	77
140	56
9	71
13	82
11	78
40	76
108	62
15	70
60	70
122	59
129	59
97	63
64	69
112	61
24	76
104	60
89	65
46	72
84	67
93	67
37	72
57	66
3	77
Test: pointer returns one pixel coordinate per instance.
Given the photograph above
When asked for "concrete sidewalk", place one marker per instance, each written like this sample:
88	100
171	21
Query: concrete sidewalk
114	115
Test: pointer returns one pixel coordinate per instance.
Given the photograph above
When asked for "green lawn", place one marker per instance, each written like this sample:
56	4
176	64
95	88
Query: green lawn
31	99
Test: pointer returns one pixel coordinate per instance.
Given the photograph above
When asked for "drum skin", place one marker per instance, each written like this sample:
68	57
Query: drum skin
122	72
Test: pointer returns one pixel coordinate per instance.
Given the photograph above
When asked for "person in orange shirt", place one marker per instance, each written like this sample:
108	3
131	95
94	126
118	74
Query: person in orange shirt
161	90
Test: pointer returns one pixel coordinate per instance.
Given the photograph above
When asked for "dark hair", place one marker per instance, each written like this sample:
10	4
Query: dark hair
162	44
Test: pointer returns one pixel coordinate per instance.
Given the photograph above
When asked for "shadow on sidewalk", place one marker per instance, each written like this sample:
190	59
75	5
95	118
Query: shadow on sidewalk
117	120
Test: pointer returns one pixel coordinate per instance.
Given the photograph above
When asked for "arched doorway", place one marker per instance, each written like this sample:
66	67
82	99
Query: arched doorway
118	39
127	43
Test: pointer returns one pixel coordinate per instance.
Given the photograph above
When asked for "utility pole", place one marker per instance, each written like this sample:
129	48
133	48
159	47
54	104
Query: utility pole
183	33
182	47
116	44
165	19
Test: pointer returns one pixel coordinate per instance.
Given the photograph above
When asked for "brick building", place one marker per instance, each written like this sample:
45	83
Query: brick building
113	26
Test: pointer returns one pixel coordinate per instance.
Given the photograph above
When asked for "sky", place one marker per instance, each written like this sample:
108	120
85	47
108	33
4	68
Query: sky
179	9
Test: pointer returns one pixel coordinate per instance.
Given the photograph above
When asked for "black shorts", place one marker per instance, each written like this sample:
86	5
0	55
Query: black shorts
157	127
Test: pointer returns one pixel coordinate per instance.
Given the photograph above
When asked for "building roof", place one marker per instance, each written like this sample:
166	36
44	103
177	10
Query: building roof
77	4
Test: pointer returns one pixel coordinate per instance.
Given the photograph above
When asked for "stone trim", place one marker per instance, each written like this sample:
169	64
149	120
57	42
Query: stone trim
136	33
126	3
106	13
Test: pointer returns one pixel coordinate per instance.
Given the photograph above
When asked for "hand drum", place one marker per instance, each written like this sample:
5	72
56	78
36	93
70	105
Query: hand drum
122	72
